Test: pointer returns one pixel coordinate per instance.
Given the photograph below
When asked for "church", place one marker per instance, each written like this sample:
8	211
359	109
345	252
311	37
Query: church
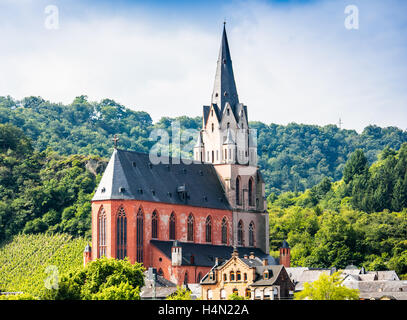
182	218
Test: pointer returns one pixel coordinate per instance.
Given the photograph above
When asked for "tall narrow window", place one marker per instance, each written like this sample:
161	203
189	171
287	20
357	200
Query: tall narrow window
251	234
102	232
238	191
172	226
140	234
208	228
251	185
186	278
224	231
154	225
213	127
213	156
121	234
199	277
240	233
190	227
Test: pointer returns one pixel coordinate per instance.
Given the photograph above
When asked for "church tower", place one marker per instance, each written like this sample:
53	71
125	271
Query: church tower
227	142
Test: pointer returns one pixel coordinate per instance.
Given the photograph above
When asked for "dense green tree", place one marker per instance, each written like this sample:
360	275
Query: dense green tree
180	294
99	280
327	288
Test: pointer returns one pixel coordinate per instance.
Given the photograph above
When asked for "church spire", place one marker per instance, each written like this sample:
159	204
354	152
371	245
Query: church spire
224	89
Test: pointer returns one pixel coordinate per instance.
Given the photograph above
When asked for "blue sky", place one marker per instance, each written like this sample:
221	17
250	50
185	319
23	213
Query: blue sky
294	61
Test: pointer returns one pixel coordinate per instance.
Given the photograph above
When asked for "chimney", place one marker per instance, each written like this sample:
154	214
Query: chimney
151	273
265	262
176	254
235	253
251	255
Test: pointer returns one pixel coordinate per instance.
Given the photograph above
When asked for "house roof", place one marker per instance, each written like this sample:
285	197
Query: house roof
204	254
273	271
131	175
295	272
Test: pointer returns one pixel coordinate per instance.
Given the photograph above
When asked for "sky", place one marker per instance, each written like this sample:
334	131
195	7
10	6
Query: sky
294	61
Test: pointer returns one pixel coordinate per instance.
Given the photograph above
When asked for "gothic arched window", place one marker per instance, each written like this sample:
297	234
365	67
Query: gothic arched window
240	233
139	241
238	191
251	234
190	228
251	193
154	225
172	227
224	231
121	234
102	232
208	229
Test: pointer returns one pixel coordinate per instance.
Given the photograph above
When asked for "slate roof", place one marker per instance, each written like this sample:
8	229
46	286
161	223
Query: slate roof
273	271
131	175
295	273
205	254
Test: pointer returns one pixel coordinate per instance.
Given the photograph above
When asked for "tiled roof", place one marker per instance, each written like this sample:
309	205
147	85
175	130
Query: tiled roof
204	254
131	175
273	271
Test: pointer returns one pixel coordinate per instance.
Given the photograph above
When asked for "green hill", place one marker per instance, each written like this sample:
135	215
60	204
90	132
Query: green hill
24	260
291	157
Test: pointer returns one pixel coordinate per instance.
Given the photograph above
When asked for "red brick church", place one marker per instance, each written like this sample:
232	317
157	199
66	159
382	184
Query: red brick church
181	218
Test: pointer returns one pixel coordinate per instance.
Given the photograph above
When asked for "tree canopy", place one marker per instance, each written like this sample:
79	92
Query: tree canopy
327	288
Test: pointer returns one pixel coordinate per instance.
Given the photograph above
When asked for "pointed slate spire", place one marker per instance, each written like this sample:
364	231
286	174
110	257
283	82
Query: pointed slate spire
224	89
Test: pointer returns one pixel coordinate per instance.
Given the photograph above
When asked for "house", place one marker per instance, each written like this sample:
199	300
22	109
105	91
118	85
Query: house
248	276
156	286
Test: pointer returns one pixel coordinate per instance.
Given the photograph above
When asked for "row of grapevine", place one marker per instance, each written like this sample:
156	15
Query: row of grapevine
24	261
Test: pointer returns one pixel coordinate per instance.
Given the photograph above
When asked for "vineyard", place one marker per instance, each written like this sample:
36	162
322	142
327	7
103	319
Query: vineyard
24	260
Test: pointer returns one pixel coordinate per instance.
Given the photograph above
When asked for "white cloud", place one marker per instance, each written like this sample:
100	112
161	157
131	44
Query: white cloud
292	64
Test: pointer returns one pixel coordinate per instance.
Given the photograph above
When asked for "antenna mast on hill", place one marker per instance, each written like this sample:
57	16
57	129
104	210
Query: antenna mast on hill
340	123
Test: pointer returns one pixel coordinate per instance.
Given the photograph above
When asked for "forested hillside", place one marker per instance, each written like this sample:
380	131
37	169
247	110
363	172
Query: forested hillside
292	157
361	219
44	191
